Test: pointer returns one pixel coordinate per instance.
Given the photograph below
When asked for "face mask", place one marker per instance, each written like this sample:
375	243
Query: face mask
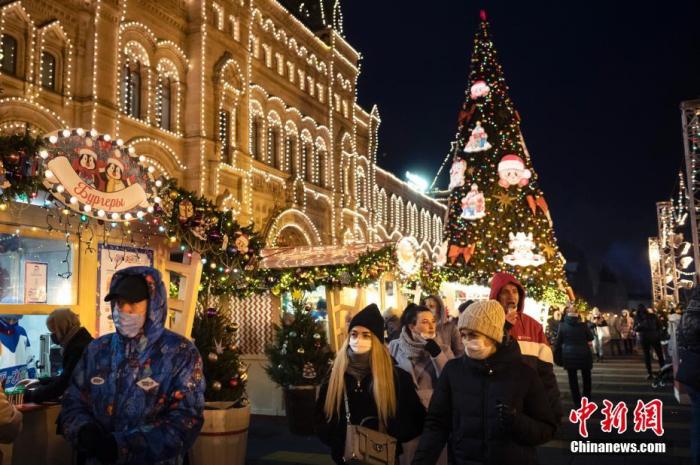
360	346
477	348
427	335
128	324
54	339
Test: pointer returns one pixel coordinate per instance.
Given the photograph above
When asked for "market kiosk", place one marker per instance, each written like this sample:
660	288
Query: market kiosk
59	247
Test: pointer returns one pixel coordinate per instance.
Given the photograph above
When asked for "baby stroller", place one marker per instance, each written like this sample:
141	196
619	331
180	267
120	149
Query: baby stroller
664	377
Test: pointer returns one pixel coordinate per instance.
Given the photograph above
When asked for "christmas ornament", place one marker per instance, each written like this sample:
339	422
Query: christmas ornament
407	256
242	243
473	204
512	172
233	382
548	250
523	247
216	386
185	211
478	140
233	347
300	350
505	200
212	312
219	347
224	242
317	336
292	334
308	371
212	357
459	166
465	114
465	252
479	89
539	202
442	255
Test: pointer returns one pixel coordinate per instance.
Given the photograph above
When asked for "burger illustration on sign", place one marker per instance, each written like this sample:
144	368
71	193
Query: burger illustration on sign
98	177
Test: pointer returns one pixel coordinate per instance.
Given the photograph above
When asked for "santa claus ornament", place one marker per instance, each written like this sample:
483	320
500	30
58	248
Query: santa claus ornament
479	89
473	204
512	172
459	167
478	141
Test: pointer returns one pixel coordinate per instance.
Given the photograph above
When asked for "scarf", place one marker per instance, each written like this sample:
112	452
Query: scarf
413	346
358	367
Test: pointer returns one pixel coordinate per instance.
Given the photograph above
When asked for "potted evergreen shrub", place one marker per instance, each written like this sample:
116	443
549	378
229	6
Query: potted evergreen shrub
299	359
224	435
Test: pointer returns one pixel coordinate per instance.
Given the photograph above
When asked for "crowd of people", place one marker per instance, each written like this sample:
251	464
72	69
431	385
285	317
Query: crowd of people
422	388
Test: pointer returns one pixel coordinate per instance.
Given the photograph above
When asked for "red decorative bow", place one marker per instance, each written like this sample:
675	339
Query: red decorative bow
455	252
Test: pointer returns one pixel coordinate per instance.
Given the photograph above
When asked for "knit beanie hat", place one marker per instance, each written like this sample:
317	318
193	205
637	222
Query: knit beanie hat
486	317
371	318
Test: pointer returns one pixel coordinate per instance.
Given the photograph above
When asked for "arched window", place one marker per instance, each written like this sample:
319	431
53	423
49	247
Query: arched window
289	154
322	168
165	89
309	162
255	140
225	135
9	54
131	88
48	71
273	144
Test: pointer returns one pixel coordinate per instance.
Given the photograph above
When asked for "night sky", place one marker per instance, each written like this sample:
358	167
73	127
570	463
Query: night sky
598	86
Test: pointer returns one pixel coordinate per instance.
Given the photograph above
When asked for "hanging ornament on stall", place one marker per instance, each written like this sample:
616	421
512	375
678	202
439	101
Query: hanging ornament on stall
98	177
407	257
473	204
523	246
478	140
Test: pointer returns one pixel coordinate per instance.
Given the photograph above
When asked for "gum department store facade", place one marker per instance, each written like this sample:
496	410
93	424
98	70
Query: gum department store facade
236	99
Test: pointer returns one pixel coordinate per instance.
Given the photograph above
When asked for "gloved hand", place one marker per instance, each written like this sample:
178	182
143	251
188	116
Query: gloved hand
432	348
96	443
506	416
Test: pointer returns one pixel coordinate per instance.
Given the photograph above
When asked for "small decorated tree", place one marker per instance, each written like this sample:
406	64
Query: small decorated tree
299	359
215	335
300	354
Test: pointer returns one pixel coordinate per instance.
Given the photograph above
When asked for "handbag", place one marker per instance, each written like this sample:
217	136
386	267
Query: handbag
689	368
603	333
365	446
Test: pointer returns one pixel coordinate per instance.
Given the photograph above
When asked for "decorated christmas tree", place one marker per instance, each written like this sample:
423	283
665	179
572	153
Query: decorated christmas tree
498	219
215	335
300	354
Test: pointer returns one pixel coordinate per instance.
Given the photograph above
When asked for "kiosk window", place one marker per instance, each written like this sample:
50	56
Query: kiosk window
35	271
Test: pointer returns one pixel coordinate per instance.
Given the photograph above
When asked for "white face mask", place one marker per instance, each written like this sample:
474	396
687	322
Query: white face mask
359	345
477	348
128	324
427	335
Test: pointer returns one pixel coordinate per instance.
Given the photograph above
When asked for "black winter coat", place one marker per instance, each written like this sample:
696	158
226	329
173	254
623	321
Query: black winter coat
647	326
407	424
53	388
463	412
572	340
688	333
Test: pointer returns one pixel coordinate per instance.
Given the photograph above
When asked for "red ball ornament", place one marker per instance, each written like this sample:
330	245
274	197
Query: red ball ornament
233	382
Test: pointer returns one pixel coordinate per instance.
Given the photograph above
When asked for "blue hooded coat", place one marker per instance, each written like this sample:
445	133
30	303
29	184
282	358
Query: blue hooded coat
147	391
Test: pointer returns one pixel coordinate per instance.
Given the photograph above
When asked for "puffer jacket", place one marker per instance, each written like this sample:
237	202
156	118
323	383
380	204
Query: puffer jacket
647	326
153	424
463	411
534	346
572	340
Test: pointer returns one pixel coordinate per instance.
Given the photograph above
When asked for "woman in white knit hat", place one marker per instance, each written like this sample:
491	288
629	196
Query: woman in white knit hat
489	405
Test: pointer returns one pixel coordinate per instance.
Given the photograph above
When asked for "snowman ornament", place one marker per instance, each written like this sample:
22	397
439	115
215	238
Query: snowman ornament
459	166
512	172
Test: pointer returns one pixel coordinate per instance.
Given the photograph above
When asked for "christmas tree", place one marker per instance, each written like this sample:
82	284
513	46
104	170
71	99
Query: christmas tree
215	335
498	219
300	354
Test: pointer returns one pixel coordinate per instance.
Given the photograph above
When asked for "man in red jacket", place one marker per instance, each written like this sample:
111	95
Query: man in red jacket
533	344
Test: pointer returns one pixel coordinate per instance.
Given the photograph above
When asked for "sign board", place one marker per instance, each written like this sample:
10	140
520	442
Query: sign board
98	177
35	282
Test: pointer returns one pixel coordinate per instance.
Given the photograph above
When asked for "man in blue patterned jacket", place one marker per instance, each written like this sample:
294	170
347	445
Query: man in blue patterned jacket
137	395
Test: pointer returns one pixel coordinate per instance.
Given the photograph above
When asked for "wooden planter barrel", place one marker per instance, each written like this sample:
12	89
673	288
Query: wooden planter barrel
224	436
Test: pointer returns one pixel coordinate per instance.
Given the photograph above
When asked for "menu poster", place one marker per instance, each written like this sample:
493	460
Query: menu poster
112	258
35	282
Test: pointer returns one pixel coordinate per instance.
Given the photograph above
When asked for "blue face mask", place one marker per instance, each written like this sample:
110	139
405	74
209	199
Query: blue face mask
128	324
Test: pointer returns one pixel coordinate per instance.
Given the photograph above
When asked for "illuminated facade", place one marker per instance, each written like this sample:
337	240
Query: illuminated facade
236	99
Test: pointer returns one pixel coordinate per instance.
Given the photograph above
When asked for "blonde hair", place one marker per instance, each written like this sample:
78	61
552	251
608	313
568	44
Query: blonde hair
383	389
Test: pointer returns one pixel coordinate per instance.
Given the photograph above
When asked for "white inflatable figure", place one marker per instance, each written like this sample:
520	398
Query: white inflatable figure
523	255
14	342
459	167
478	141
473	204
512	172
442	255
479	89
